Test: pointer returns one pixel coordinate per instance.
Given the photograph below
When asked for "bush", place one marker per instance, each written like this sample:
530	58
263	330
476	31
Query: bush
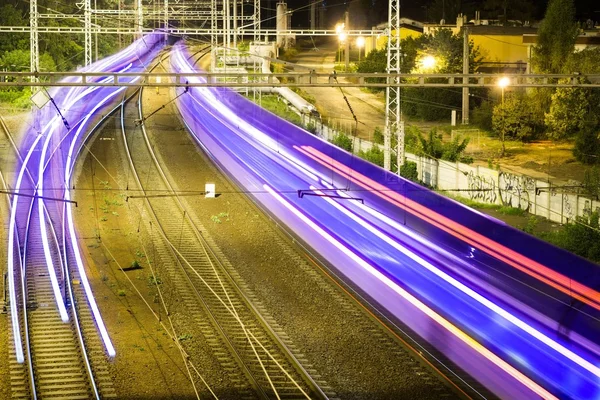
591	182
482	116
312	128
432	146
515	118
409	171
374	155
580	237
587	144
343	141
378	136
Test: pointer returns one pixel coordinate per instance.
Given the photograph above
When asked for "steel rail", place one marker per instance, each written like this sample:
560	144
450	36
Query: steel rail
213	258
75	323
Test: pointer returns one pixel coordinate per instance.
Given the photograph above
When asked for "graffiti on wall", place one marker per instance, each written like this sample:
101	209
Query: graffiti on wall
516	190
482	188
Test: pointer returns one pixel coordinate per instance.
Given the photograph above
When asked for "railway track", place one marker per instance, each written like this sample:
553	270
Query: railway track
62	360
248	347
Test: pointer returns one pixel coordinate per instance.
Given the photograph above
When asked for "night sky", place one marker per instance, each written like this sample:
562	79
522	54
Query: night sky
419	10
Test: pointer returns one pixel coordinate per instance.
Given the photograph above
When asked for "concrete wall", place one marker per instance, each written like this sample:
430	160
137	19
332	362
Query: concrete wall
486	185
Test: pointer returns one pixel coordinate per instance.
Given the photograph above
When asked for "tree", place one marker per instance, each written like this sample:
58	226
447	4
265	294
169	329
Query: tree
446	48
567	112
514	119
12	16
587	144
556	37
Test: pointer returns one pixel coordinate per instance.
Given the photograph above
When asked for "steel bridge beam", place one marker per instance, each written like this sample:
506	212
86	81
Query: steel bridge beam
301	79
186	31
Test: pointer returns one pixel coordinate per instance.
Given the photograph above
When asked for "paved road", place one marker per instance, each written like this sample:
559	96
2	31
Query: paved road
369	108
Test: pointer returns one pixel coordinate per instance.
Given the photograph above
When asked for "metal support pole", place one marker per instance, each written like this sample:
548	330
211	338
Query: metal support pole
465	91
140	18
392	93
166	18
87	24
347	48
235	23
34	58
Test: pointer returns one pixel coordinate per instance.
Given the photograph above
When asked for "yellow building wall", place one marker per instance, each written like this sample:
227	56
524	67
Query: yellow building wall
379	42
501	48
493	48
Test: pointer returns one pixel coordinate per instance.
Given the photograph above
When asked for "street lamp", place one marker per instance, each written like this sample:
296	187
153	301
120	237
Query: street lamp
360	43
428	62
502	84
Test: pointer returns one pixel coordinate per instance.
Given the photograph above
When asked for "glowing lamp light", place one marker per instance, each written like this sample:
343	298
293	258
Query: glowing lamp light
360	42
503	82
339	28
428	62
342	36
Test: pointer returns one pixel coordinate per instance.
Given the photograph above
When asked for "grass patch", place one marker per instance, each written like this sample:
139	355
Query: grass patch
279	108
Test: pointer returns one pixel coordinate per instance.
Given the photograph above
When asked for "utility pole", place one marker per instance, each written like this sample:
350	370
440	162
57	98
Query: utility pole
465	91
347	49
34	58
392	93
140	18
87	24
166	18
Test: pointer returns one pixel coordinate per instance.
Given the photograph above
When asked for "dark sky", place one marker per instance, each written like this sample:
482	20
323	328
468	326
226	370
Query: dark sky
417	9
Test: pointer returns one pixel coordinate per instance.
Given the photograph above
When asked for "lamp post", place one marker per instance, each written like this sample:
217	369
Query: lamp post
342	37
360	43
502	84
339	29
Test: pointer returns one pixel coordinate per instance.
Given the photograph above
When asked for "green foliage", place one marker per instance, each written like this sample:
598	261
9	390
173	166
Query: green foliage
432	146
409	171
343	141
586	61
12	16
288	54
567	112
482	116
279	108
513	119
587	144
135	265
591	182
581	237
375	61
556	37
532	223
312	128
373	155
184	337
378	136
243	46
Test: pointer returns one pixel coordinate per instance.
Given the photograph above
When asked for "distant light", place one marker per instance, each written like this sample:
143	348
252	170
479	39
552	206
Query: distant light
428	62
503	82
342	36
339	28
360	42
